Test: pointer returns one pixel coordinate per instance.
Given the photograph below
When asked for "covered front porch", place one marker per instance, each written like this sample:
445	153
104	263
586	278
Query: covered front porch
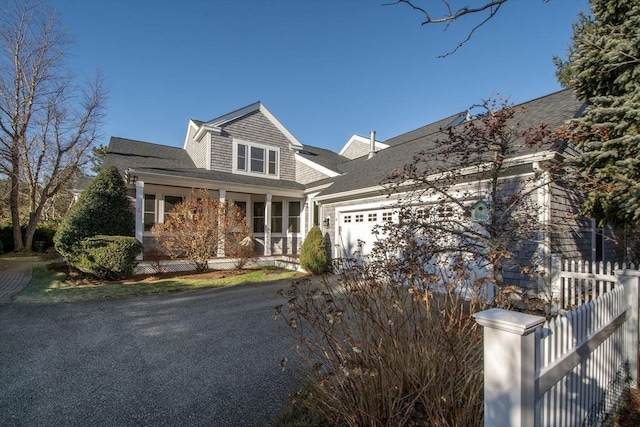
277	218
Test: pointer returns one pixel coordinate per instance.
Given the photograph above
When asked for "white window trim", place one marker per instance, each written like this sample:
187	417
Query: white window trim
266	149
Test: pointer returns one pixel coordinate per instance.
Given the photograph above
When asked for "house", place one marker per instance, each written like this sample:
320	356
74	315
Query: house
249	158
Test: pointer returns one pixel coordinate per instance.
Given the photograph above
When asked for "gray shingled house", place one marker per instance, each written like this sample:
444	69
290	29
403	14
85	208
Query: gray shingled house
249	158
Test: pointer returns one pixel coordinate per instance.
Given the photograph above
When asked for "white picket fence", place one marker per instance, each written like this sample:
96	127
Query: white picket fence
560	372
574	283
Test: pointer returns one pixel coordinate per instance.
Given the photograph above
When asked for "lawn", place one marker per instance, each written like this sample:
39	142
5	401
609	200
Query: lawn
49	285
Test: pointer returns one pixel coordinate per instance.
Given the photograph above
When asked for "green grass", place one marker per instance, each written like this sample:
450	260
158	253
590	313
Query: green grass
49	286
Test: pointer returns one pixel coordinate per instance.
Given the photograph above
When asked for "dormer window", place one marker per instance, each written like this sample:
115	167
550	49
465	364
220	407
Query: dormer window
256	159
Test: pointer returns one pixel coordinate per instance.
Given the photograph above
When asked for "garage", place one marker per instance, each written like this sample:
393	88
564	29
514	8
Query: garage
354	237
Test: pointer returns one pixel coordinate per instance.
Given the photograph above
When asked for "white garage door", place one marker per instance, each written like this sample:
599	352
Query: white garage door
354	231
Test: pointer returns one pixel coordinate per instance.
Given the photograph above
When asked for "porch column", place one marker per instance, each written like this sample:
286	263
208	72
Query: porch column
139	227
267	224
222	197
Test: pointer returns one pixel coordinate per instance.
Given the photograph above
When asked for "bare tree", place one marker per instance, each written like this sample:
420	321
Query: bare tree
448	14
47	123
465	202
200	228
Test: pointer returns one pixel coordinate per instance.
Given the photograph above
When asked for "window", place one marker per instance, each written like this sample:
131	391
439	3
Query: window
276	217
242	206
258	217
347	218
294	217
170	202
241	159
360	218
273	162
256	159
149	211
372	217
387	216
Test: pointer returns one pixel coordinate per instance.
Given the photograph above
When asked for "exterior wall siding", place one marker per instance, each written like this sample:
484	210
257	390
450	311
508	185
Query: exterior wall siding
356	149
570	234
196	150
306	174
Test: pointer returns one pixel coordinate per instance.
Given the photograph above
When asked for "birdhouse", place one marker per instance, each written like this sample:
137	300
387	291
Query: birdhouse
480	211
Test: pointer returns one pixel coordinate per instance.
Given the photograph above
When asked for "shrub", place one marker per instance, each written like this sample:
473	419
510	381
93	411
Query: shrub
199	227
108	257
313	256
42	239
102	209
388	354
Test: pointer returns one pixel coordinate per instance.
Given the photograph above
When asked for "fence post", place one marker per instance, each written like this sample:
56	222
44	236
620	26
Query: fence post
555	284
509	367
630	279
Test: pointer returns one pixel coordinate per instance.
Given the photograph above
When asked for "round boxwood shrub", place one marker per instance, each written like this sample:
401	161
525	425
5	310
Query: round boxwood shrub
108	257
313	256
102	209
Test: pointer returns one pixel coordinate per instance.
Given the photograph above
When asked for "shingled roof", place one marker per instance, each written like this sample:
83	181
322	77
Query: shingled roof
146	157
324	157
364	173
128	153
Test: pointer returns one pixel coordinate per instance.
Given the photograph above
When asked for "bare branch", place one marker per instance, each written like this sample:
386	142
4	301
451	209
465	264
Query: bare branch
451	15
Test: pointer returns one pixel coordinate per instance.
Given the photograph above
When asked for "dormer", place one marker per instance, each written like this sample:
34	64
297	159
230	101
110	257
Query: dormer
248	141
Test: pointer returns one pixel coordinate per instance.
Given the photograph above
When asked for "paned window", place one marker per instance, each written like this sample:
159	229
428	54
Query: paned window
359	217
347	218
149	214
387	216
241	158
258	217
242	206
372	217
294	217
276	217
256	159
170	202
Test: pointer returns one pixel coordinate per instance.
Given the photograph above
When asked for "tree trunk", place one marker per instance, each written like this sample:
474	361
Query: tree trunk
14	200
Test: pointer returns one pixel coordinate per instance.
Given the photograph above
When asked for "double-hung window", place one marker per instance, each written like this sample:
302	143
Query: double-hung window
258	217
294	217
170	202
149	214
256	159
276	217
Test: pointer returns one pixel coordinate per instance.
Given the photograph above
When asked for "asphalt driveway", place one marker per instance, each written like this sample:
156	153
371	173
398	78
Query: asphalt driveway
202	358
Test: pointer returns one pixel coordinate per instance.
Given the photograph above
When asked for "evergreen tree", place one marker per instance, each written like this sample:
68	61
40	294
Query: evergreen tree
603	67
313	255
102	209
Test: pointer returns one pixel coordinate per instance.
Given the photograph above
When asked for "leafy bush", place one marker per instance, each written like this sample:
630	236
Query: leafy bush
108	257
102	209
44	234
313	255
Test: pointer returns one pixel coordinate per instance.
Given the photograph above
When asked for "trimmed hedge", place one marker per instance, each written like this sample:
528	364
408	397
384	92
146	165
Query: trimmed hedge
107	257
313	256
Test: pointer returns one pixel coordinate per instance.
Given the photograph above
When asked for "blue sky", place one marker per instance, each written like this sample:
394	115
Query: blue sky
326	69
